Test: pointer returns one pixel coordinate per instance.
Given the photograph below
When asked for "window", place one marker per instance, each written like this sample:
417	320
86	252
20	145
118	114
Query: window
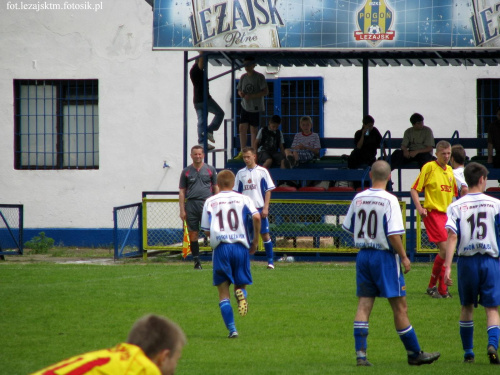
488	101
291	98
56	124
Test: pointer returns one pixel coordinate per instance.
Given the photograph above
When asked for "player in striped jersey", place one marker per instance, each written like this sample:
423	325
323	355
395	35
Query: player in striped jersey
233	224
255	182
374	218
473	230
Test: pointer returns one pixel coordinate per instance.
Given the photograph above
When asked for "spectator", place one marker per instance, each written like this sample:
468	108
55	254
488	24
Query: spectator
457	162
366	142
417	145
271	151
305	146
494	141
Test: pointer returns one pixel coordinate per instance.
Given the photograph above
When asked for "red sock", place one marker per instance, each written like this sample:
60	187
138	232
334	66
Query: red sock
436	271
442	288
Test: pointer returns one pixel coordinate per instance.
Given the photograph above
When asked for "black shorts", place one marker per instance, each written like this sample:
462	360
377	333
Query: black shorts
194	210
262	156
252	118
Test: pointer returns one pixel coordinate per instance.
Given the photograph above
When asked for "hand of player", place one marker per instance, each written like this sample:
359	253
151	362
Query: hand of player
182	215
264	213
423	213
406	264
253	248
447	280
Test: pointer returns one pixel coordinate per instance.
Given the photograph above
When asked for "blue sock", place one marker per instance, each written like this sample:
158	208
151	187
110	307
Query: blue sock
360	338
467	336
410	341
227	314
493	333
268	246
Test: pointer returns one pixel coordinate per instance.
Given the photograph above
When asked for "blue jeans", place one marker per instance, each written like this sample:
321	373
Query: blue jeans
216	110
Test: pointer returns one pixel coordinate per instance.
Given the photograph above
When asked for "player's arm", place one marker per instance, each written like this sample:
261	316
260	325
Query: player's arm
182	198
265	209
256	233
416	201
397	244
450	249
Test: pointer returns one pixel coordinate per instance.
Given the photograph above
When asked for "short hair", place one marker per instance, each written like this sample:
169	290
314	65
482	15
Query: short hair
368	120
416	117
306	118
380	170
225	179
248	149
276	119
195	147
442	144
458	154
472	172
249	59
154	333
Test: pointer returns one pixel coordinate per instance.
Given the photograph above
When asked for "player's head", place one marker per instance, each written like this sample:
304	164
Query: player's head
473	173
225	180
417	118
249	156
443	152
274	122
306	124
380	171
160	339
458	154
197	154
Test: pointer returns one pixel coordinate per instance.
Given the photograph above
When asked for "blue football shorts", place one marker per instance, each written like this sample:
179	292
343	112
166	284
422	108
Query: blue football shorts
264	223
231	262
479	280
378	274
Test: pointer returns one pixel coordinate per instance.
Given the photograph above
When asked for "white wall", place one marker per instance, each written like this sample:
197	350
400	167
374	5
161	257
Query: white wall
141	106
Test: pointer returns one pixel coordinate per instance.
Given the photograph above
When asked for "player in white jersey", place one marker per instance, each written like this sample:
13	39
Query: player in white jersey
473	230
457	162
256	183
233	224
374	218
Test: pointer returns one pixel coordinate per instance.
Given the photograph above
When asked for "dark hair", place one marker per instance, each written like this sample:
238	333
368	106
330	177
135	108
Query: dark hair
248	149
368	120
472	172
458	154
153	333
276	119
195	147
416	117
249	58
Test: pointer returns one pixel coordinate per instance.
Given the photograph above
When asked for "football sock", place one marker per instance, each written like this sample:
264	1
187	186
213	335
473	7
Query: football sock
467	335
436	270
493	333
410	341
268	246
195	248
360	338
227	314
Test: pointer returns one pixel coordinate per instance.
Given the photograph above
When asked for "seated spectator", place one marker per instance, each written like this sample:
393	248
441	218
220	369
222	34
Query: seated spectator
305	146
417	145
271	151
366	142
494	141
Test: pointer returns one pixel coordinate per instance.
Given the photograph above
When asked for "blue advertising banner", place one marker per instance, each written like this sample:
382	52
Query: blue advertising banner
324	24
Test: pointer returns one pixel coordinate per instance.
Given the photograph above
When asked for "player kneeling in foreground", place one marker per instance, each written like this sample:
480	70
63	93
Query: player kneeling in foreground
153	347
474	219
230	219
378	263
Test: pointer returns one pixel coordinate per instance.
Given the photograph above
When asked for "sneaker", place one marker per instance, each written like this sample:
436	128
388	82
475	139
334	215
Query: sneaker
287	164
469	358
270	266
493	355
291	160
242	302
431	291
197	266
210	147
239	156
233	335
362	362
210	137
437	295
423	358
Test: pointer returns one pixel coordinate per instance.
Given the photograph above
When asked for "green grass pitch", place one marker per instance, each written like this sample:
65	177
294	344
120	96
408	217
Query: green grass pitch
299	321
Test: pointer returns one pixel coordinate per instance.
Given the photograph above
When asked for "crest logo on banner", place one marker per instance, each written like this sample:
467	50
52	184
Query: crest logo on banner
374	20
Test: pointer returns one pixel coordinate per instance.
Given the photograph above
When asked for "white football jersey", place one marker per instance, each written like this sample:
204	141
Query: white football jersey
254	183
475	218
228	217
373	215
